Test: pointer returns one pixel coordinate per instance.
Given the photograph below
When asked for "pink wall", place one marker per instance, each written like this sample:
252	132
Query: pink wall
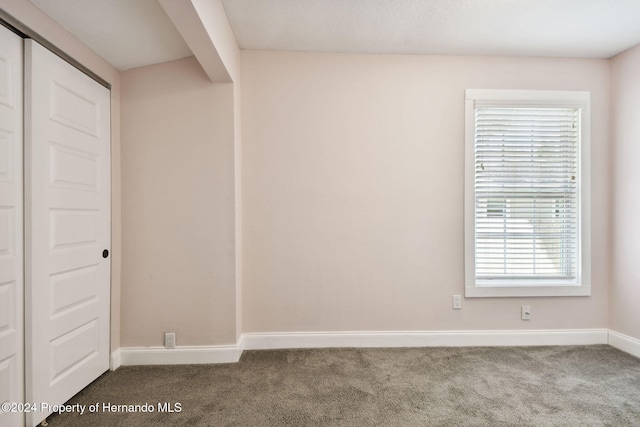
353	191
625	199
178	206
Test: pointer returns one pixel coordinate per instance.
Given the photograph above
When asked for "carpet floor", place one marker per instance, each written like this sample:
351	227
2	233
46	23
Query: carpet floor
479	386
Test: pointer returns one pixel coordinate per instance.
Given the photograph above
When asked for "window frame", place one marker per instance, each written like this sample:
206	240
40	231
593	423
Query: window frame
581	286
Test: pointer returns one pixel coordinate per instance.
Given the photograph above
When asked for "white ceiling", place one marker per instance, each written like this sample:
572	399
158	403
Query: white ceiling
134	33
571	28
126	33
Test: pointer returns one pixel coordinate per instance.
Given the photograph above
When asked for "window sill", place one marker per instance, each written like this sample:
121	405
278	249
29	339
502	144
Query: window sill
526	291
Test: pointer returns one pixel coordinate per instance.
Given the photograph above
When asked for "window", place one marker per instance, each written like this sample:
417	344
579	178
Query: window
527	193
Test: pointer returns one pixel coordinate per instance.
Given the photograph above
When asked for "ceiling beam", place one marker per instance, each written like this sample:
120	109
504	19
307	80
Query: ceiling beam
204	26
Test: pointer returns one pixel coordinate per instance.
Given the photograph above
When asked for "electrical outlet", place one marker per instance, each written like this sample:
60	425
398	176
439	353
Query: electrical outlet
169	340
457	302
525	312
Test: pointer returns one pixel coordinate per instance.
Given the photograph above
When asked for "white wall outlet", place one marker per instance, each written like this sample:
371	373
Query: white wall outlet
457	302
169	340
525	312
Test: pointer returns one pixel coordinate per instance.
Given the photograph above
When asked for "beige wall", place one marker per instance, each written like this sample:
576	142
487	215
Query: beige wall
28	14
237	153
353	191
178	206
625	206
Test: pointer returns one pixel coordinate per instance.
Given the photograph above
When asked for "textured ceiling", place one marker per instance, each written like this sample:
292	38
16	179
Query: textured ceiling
134	33
127	33
571	28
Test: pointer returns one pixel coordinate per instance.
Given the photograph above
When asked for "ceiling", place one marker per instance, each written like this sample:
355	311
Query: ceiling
126	33
572	28
133	33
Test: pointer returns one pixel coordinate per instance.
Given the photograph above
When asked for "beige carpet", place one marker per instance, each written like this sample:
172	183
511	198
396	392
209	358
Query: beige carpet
499	386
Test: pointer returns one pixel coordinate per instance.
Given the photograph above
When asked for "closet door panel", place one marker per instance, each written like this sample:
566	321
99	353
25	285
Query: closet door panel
68	220
11	226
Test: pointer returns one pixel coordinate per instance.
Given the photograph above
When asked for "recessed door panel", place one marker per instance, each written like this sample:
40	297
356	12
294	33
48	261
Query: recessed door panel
8	83
71	108
7	232
71	288
72	228
7	155
8	374
73	169
7	307
72	349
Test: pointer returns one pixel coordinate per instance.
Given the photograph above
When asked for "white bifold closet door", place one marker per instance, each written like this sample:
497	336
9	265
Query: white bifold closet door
67	228
11	220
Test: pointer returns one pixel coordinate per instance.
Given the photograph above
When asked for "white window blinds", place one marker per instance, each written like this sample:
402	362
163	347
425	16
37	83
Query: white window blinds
526	192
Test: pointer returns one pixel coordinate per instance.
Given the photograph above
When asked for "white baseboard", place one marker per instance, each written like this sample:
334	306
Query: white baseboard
266	341
624	343
181	355
115	360
263	341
